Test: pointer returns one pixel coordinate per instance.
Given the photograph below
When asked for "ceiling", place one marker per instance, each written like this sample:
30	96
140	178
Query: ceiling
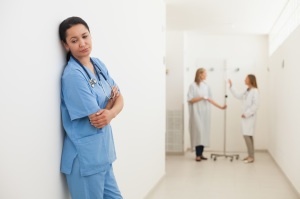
223	16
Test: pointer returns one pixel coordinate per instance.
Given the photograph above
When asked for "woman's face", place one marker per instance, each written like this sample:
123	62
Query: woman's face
203	75
247	81
78	41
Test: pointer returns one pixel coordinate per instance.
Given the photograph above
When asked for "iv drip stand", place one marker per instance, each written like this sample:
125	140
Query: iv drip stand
224	154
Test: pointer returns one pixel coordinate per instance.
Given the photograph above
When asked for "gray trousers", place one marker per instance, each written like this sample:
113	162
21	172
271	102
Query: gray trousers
250	145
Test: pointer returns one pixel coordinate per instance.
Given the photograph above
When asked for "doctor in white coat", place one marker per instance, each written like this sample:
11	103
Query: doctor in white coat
199	99
250	99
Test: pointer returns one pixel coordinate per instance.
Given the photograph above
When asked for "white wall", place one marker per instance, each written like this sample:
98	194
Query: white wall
128	37
174	66
246	52
284	107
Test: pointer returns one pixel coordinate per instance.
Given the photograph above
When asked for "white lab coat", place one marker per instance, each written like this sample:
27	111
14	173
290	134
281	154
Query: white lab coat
199	115
250	104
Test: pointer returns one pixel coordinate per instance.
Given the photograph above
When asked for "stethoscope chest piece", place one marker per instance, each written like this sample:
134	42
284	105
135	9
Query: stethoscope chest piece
93	82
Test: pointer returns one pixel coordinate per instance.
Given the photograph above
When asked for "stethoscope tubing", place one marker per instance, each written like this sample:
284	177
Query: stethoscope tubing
95	67
97	71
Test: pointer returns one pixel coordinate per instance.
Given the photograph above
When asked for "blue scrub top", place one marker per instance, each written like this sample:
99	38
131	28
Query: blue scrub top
94	147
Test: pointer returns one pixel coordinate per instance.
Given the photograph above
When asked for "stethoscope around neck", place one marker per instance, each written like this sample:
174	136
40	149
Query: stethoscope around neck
93	81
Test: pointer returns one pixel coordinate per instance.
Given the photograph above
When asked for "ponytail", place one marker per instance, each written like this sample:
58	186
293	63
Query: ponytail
68	55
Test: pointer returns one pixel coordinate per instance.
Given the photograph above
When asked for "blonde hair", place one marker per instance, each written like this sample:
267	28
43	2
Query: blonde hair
198	73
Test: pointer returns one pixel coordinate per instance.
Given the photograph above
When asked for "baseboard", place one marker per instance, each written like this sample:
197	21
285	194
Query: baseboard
175	153
155	186
217	151
287	179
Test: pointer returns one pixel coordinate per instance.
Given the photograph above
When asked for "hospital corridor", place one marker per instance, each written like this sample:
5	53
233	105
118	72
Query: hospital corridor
222	179
196	77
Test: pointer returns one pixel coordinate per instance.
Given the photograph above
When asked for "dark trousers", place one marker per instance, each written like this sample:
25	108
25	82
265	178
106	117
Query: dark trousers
199	150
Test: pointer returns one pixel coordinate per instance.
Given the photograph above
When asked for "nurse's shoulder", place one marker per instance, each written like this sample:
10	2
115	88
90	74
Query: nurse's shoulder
72	70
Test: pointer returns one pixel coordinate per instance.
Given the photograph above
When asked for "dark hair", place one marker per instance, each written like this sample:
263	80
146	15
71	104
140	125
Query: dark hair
65	25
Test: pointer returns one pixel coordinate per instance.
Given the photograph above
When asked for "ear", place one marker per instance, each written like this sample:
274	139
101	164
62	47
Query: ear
66	46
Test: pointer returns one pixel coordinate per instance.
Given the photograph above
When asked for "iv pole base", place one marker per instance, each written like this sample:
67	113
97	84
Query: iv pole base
231	156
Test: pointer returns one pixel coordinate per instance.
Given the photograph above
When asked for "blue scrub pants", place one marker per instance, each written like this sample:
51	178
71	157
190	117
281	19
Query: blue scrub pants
101	185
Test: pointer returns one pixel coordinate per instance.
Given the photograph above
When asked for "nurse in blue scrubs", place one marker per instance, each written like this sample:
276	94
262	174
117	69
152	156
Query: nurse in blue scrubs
90	99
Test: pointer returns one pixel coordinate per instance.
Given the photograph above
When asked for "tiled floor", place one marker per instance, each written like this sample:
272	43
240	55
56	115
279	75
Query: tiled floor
222	179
